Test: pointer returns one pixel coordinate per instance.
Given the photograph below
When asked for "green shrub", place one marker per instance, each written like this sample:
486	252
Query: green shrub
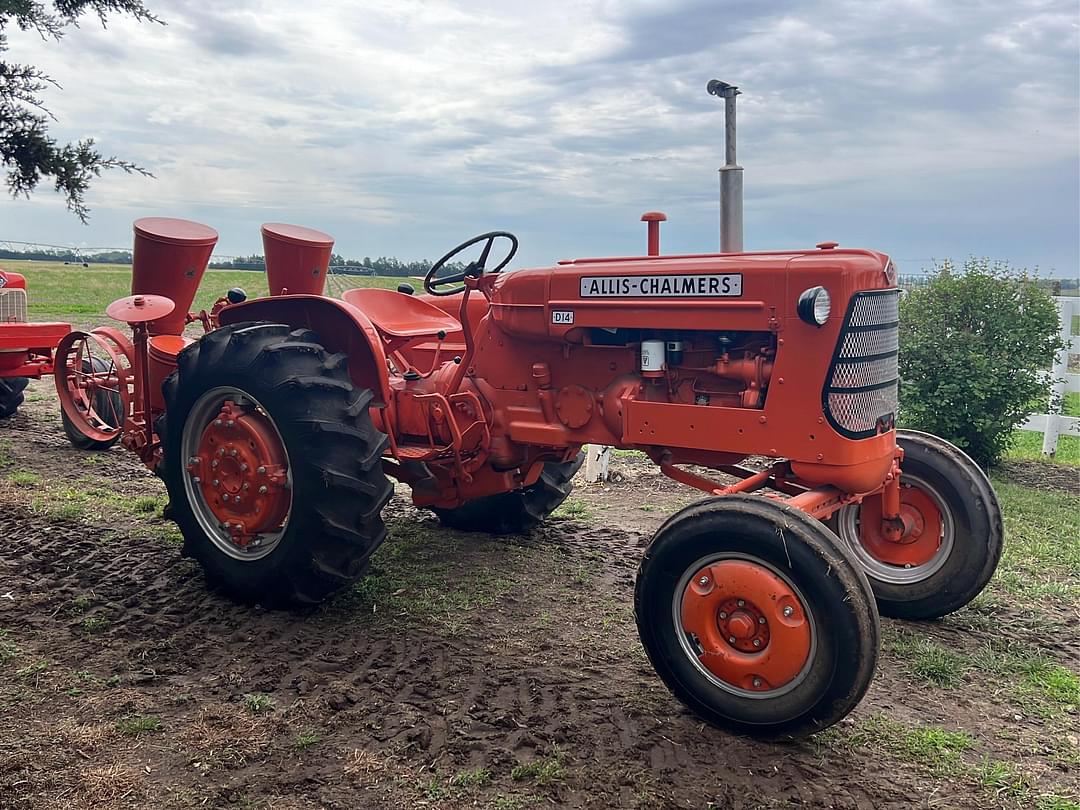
974	344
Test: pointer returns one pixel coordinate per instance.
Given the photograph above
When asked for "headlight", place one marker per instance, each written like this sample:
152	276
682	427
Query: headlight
815	306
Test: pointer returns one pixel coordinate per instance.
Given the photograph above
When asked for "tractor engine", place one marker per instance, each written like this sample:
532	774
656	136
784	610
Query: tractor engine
729	369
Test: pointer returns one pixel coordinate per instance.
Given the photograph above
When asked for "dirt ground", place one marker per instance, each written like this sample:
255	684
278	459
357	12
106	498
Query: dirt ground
464	672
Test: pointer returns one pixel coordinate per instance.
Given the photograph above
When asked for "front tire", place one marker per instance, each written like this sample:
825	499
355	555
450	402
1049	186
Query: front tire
11	395
516	512
273	465
756	618
960	533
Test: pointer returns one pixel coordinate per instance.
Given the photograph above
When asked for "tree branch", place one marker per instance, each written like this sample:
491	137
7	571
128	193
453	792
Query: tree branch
26	150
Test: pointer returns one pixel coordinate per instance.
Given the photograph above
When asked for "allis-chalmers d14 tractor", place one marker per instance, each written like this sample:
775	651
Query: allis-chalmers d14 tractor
277	433
26	349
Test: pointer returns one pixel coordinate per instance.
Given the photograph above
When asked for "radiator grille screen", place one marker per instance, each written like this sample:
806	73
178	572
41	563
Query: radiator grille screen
12	306
862	390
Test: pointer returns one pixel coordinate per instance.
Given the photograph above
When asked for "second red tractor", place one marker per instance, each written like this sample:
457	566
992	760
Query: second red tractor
26	349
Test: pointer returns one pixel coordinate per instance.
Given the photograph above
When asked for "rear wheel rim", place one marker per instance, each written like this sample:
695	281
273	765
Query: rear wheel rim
231	448
744	625
912	559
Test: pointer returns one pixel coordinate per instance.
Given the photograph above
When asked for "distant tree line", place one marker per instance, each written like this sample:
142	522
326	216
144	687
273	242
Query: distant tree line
67	255
382	266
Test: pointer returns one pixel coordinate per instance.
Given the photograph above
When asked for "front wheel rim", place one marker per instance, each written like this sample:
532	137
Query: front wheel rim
744	625
909	561
236	473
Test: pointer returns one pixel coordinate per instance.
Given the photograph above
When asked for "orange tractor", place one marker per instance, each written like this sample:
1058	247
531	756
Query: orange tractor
279	430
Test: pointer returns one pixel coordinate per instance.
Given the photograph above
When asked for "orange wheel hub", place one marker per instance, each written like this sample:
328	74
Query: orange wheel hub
917	542
241	471
751	627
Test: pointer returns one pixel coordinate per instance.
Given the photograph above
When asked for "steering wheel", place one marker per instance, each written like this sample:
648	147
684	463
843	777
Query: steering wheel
436	285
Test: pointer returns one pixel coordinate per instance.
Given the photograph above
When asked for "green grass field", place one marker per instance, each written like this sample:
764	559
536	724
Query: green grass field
1027	445
80	294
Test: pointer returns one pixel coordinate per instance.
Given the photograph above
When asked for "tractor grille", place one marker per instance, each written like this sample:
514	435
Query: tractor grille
861	394
13	306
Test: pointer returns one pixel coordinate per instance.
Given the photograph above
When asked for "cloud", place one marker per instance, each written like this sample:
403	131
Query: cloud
404	126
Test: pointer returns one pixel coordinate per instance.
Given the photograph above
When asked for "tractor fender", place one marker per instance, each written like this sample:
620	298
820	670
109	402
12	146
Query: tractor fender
341	328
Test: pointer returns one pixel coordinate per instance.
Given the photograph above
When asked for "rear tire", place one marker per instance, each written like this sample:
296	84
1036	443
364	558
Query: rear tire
756	617
11	395
516	512
972	533
335	488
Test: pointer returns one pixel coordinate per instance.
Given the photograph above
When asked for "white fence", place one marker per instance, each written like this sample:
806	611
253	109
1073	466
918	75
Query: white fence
1051	424
1060	382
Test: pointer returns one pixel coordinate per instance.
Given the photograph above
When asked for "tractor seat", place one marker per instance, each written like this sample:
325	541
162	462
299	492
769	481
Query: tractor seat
397	315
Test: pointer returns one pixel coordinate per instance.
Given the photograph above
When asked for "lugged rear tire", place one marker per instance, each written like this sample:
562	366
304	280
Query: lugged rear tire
516	512
11	395
333	453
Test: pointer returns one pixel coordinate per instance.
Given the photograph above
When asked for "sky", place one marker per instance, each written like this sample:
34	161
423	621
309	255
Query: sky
927	129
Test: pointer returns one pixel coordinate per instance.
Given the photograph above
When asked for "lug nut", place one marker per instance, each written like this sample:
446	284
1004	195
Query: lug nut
243	468
217	423
741	603
723	614
247	486
757	642
757	683
261	471
703	581
233	452
225	497
731	639
196	479
262	490
214	463
761	620
215	482
194	460
230	423
221	451
789	611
